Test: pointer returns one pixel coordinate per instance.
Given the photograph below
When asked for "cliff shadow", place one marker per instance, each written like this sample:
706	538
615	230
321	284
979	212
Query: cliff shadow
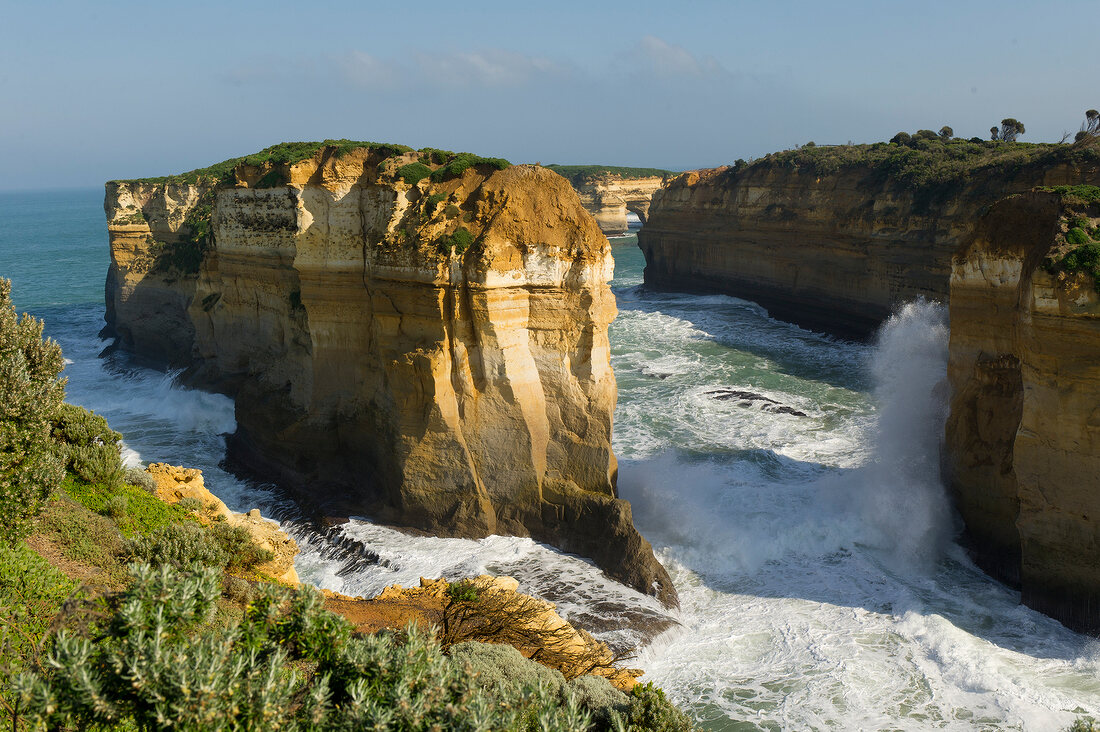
743	326
759	524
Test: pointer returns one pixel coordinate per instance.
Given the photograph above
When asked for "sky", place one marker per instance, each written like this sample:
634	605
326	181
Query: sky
93	91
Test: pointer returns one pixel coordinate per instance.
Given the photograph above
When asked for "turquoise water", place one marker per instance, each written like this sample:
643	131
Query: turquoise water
787	480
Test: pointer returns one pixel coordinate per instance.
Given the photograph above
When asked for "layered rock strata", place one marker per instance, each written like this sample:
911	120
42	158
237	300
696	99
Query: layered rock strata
834	252
1023	435
429	354
609	197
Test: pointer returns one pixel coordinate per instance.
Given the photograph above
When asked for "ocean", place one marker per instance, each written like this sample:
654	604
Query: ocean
788	480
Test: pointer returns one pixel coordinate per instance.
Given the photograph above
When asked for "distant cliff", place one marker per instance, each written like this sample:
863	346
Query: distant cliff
833	238
414	335
1023	435
608	192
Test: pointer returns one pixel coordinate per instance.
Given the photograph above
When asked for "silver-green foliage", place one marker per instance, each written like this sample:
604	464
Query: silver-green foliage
88	446
30	397
288	665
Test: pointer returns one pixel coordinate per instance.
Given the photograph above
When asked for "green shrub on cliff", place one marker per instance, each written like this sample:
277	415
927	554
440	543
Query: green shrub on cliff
289	664
457	165
31	394
459	241
413	173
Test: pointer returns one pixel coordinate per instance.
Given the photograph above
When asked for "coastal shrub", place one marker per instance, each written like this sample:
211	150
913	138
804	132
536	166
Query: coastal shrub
190	504
501	669
178	545
150	663
183	544
115	507
434	200
932	167
1082	193
237	545
457	165
413	173
651	710
1076	236
139	479
81	535
459	241
31	394
600	698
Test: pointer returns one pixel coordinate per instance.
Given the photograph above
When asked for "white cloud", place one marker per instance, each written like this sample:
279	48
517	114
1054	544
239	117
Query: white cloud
656	57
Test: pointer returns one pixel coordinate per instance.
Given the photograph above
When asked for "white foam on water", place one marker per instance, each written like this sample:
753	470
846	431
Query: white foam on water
812	555
821	591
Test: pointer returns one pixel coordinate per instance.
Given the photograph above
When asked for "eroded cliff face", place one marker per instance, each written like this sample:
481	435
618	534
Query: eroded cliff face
609	197
1023	436
433	355
832	252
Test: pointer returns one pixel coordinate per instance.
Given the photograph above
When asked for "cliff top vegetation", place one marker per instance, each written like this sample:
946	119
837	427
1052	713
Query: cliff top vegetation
288	153
582	173
927	161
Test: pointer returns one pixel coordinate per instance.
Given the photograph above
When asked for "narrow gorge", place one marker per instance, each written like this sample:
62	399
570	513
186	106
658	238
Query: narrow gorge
418	337
836	239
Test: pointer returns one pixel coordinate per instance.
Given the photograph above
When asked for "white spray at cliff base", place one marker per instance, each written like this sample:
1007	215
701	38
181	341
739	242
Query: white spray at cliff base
819	584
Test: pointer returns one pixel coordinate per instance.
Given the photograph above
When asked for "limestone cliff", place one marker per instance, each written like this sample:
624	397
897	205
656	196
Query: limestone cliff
609	197
417	340
834	247
1023	435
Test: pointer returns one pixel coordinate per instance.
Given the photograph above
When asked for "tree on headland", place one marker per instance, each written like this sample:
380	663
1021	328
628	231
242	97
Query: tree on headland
901	138
1091	126
994	133
946	133
1011	128
30	401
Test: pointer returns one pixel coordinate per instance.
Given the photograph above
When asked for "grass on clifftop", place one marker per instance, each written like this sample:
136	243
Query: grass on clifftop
582	173
288	153
927	163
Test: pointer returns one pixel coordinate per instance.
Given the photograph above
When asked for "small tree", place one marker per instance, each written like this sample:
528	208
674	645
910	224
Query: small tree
946	133
30	400
994	133
901	138
1011	128
1091	125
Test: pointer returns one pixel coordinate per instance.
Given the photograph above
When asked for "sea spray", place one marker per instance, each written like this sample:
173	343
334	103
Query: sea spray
900	494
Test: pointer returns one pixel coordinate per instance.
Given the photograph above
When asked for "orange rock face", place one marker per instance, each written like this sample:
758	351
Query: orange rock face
432	355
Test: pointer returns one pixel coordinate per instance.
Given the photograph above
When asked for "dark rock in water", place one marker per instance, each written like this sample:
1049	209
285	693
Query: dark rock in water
787	410
748	399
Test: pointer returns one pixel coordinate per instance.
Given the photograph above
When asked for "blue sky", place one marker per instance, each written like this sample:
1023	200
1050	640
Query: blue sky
99	90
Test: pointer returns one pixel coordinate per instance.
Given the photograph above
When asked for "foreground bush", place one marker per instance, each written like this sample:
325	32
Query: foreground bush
144	658
30	398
